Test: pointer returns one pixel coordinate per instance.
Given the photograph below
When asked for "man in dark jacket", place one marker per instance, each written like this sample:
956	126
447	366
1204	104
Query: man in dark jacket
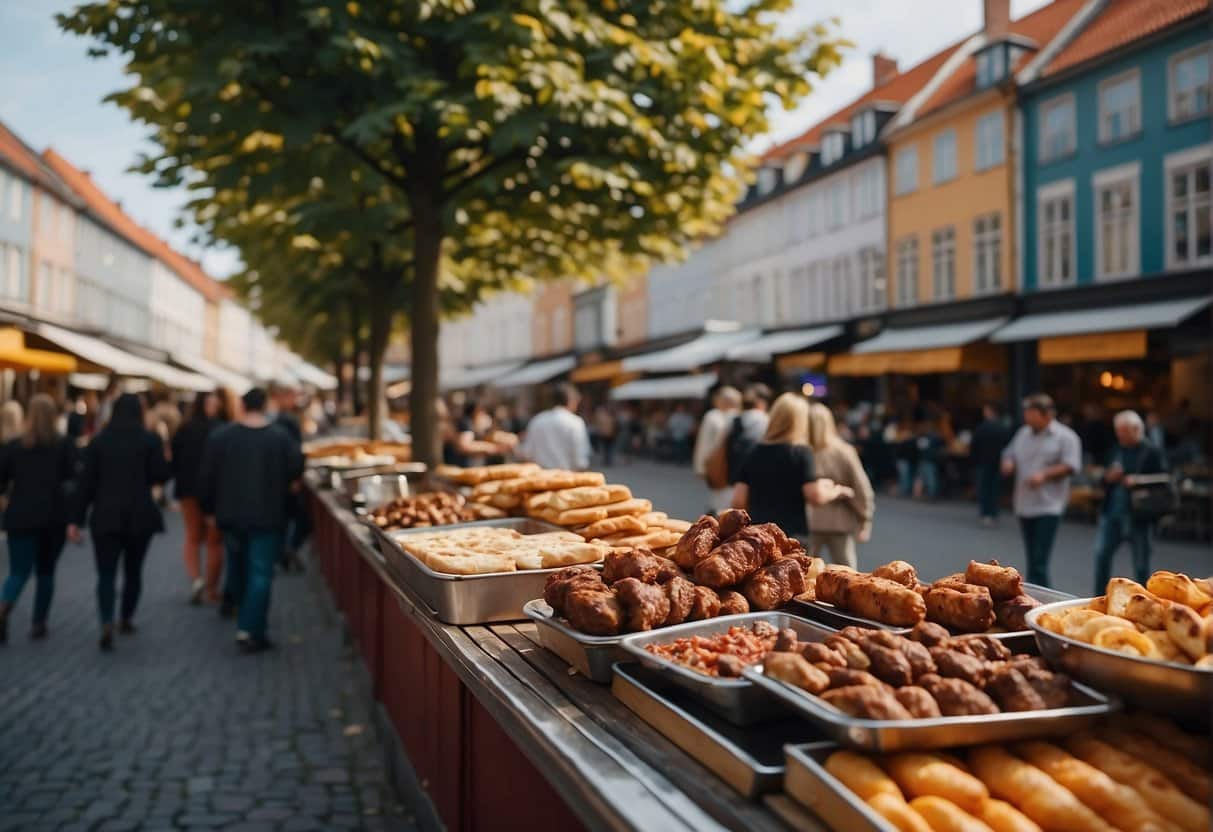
989	438
285	404
248	470
1129	458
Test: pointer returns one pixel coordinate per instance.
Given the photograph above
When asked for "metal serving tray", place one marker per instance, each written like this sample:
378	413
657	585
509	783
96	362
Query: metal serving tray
750	760
1020	641
737	700
1163	687
468	599
591	656
809	784
940	732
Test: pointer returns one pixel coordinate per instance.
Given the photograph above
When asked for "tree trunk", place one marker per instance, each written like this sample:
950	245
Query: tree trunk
356	361
424	335
380	334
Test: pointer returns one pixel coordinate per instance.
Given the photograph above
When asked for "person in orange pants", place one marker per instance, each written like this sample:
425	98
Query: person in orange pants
207	414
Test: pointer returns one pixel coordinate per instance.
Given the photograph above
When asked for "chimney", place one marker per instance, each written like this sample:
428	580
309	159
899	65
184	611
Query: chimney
997	17
883	69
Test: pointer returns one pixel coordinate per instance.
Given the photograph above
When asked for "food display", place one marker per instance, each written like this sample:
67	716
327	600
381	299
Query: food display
485	473
435	508
483	550
723	654
357	450
1170	619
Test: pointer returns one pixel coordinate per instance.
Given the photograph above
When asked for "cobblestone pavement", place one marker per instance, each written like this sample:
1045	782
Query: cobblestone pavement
175	729
938	538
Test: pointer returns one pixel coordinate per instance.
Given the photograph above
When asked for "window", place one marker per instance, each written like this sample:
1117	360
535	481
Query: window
1057	128
989	139
837	206
1056	225
871	280
863	128
766	180
832	147
907	271
1116	221
1189	221
45	289
866	187
991	65
907	170
1188	88
1120	107
842	287
943	159
18	287
795	166
987	254
943	263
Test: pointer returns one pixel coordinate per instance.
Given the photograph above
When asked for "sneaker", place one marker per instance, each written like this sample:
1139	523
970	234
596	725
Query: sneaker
38	631
242	637
126	627
227	609
196	591
255	645
107	637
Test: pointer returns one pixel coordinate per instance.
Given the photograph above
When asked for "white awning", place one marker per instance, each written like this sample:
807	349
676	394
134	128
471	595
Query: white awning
309	373
98	353
929	337
89	381
777	343
230	379
537	372
461	378
704	350
1158	315
671	387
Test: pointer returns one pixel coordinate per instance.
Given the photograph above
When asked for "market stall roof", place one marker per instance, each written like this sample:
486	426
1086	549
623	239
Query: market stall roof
95	352
1158	315
670	387
700	352
777	343
14	355
537	372
230	379
309	373
458	378
929	337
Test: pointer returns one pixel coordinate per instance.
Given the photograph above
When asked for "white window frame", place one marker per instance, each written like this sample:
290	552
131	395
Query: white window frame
905	170
943	253
1131	75
1057	102
1048	193
1102	180
863	128
836	204
1172	64
941	174
991	126
907	266
1184	159
16	197
986	240
833	147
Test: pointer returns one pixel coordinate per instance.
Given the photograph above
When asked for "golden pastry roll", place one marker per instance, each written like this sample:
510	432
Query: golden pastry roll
1003	817
969	612
919	774
1163	796
1114	802
897	571
859	774
898	813
1192	779
942	815
878	599
1036	794
1196	748
1175	586
1186	629
1003	582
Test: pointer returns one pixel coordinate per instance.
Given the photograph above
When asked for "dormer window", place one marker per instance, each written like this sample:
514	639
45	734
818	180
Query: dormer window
766	180
863	128
833	146
991	65
795	166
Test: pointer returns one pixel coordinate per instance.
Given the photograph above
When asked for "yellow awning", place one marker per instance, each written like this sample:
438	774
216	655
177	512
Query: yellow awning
972	358
800	361
14	355
602	371
1102	346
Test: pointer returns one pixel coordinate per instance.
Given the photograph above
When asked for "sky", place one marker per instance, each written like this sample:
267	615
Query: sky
51	92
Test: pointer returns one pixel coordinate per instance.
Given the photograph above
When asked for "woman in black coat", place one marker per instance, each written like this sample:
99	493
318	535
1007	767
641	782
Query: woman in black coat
121	465
36	472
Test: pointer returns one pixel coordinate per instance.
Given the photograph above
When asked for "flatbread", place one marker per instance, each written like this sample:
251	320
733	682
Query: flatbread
587	495
552	480
574	516
623	524
486	473
633	506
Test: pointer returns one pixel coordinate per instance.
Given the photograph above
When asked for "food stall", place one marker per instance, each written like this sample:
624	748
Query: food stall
495	729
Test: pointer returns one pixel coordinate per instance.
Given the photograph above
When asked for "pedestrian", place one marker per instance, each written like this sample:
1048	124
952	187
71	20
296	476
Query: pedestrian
122	466
1042	456
929	445
249	469
557	437
605	433
12	421
748	428
838	525
709	458
985	451
189	442
778	479
1130	458
299	518
36	471
679	428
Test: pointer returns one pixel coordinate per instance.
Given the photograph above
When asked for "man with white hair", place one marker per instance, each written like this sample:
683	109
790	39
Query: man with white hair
1131	458
712	431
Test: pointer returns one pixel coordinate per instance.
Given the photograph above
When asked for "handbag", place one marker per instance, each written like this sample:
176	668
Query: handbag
1153	496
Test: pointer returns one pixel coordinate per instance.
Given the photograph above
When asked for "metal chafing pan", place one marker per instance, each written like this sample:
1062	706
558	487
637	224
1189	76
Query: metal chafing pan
591	656
1163	687
1020	641
940	732
468	599
737	700
750	760
809	784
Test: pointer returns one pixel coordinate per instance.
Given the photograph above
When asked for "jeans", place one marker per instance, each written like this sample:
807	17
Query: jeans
928	475
35	551
905	477
109	550
1115	529
989	484
299	519
251	557
1038	535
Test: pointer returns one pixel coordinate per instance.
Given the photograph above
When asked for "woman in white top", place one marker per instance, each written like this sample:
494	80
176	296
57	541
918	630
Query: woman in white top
837	525
713	430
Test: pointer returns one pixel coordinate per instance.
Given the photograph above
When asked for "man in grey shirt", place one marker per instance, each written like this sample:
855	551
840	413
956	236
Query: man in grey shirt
1043	456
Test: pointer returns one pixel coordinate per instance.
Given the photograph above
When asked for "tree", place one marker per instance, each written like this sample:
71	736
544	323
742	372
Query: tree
521	139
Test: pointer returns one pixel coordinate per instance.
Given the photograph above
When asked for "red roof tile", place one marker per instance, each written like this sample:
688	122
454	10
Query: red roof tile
25	160
1121	22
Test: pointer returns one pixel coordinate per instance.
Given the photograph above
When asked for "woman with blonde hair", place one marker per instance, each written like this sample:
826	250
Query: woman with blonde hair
12	420
779	477
839	524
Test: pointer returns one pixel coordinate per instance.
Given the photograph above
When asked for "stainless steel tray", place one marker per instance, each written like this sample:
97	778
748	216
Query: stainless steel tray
810	785
1162	687
750	760
591	656
468	599
1020	641
940	732
737	700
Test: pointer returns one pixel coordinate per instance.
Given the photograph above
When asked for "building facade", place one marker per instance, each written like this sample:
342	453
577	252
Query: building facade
16	230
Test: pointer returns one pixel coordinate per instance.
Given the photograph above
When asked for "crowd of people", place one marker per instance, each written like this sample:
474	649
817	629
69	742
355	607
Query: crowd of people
235	465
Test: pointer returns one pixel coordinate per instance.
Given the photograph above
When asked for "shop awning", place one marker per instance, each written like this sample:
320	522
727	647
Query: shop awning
309	373
702	351
670	387
1157	315
230	379
461	378
537	372
765	348
14	355
597	371
89	381
928	337
97	354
